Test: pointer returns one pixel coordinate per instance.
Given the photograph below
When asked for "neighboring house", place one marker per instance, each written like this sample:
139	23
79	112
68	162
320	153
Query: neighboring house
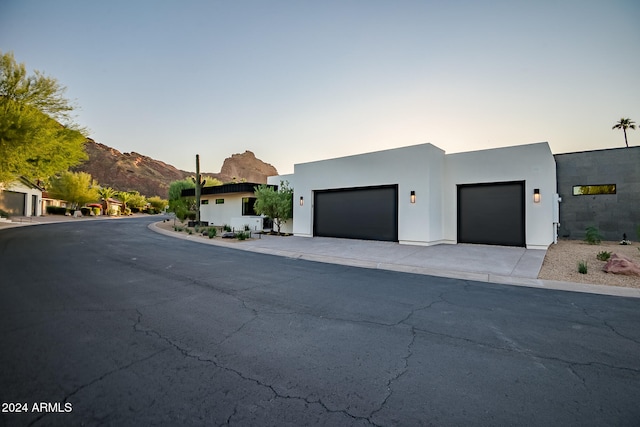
599	188
48	200
115	207
420	195
21	198
230	204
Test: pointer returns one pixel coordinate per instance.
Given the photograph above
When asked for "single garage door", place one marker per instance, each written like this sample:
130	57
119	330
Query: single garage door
369	213
13	203
491	214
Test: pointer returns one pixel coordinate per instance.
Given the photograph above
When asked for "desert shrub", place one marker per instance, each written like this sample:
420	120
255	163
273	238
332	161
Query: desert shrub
242	235
96	210
582	267
593	236
603	256
226	227
190	231
56	210
212	232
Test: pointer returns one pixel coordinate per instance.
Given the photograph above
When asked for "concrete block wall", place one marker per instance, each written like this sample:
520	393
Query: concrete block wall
612	214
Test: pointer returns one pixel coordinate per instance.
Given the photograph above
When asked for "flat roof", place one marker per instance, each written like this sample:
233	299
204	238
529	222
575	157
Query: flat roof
240	187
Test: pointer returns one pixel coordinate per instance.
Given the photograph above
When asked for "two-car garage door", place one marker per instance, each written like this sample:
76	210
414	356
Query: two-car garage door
368	213
492	214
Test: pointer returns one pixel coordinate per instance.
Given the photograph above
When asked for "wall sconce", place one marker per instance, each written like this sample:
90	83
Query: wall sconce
413	197
301	201
536	195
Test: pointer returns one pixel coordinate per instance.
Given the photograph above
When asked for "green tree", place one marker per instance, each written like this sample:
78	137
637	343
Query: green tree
277	205
210	181
106	193
37	136
178	204
625	124
77	188
124	197
136	200
158	204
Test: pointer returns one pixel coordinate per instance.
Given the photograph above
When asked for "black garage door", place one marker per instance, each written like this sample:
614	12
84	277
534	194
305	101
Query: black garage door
369	213
12	202
492	214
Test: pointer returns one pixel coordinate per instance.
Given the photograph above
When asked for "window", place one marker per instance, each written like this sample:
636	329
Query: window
588	190
204	202
219	201
247	205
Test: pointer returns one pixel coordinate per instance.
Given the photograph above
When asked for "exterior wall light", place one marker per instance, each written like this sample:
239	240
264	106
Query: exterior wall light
536	195
413	197
301	201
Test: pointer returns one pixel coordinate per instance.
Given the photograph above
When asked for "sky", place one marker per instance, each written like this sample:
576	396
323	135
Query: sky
296	81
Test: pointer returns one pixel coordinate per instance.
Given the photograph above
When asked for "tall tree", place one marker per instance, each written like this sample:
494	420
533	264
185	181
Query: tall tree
625	124
37	137
77	188
124	197
277	205
178	204
106	193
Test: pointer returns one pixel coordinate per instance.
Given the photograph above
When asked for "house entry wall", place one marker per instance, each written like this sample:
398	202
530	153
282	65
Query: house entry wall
492	214
368	213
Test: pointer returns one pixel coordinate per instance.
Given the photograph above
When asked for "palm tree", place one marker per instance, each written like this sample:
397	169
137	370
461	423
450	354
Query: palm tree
625	124
124	198
106	193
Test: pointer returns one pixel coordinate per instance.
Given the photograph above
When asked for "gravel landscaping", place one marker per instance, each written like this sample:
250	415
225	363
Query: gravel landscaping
561	263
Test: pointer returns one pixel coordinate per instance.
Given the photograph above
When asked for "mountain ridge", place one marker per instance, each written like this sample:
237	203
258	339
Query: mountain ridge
137	172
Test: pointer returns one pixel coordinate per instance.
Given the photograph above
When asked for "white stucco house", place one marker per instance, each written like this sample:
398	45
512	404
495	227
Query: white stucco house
230	204
420	195
21	197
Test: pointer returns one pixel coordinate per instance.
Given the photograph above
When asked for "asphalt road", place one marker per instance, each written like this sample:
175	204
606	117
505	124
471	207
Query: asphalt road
109	323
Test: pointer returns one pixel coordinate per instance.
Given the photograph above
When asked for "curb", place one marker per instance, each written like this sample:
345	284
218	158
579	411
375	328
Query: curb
618	291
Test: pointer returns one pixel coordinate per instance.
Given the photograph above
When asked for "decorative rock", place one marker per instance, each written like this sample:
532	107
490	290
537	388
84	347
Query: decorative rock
620	264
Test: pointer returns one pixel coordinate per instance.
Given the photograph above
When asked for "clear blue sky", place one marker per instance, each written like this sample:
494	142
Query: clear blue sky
296	81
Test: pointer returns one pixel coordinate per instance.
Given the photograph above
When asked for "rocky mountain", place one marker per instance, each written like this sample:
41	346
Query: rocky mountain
136	172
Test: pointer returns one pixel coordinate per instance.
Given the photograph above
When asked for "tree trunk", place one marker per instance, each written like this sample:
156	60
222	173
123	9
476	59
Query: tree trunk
625	137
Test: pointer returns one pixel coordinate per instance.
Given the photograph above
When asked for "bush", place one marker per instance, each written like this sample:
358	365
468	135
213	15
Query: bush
85	211
212	232
191	215
56	210
226	227
603	256
242	235
593	236
96	211
582	267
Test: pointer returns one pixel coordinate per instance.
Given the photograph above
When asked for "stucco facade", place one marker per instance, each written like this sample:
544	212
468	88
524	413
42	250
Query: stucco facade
21	198
430	217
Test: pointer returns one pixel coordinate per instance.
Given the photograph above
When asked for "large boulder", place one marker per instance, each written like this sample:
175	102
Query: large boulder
620	264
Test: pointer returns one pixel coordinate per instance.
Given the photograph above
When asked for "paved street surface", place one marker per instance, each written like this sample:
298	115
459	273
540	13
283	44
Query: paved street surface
109	323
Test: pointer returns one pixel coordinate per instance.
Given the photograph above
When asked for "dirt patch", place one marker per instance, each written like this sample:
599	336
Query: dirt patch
561	263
